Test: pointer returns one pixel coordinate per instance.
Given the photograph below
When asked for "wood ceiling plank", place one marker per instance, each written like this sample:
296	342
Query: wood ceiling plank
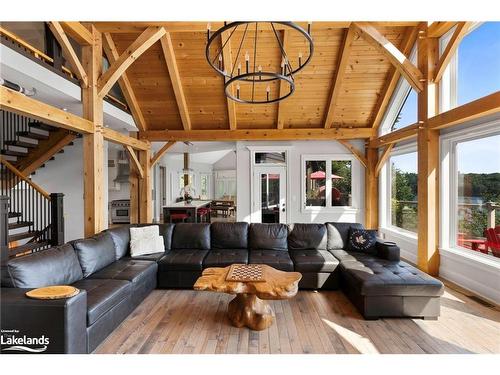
70	54
339	75
283	85
227	59
395	56
124	82
132	53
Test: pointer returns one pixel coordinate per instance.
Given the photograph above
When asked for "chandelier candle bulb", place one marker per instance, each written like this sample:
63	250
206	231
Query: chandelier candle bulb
239	68
300	58
238	91
247	60
208	30
260	71
268	90
309	27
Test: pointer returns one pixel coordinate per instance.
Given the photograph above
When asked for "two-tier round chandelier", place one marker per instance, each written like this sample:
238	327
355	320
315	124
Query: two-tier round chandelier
259	66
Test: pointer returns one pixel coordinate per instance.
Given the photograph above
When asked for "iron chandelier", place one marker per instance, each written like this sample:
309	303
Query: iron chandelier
250	77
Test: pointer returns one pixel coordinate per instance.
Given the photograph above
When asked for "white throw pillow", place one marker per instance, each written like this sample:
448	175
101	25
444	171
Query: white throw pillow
146	240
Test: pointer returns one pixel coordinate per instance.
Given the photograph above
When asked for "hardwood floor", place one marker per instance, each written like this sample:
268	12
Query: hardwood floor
186	321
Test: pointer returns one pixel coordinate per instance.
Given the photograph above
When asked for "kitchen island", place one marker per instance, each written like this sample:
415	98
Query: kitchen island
191	209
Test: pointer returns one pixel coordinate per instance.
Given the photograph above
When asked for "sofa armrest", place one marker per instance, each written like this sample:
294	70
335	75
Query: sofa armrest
387	251
62	321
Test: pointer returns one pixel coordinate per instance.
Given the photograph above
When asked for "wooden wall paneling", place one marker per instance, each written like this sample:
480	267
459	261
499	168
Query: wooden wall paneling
93	143
168	52
149	37
69	51
428	158
124	82
412	74
339	74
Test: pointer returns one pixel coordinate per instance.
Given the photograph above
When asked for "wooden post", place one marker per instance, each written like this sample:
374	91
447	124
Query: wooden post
56	219
93	144
428	157
371	189
134	191
145	191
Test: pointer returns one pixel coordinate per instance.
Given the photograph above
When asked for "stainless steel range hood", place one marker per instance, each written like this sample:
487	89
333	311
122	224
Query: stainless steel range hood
123	168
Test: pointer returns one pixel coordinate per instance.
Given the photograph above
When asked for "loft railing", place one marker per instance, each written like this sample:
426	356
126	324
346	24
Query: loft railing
39	213
49	60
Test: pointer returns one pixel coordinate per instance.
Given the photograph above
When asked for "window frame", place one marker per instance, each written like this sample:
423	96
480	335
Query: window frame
355	183
449	185
386	191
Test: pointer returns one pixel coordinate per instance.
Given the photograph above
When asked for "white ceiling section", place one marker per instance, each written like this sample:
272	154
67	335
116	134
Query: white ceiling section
55	90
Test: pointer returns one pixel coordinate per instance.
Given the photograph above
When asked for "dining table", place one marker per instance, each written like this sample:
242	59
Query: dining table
190	208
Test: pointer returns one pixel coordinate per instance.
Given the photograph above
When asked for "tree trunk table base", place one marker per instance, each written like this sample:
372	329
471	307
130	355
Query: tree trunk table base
249	308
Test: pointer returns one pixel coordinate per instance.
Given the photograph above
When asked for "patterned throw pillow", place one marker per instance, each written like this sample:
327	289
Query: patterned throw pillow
362	239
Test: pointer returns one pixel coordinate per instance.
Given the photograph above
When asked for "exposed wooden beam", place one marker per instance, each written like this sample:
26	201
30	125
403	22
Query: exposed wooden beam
45	150
257	134
371	189
69	51
283	86
339	74
383	158
145	200
485	106
149	37
396	136
78	32
354	151
439	28
392	79
412	74
175	78
134	161
93	143
459	33
122	139
125	85
156	158
428	158
16	102
227	59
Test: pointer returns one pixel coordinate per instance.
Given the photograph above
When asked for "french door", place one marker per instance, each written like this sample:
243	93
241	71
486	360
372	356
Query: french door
269	195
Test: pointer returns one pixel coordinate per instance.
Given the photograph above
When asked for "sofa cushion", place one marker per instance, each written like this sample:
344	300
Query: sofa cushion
338	234
95	253
307	237
126	269
225	257
121	239
275	258
151	257
313	261
268	237
182	260
191	236
103	295
55	266
372	276
342	255
229	235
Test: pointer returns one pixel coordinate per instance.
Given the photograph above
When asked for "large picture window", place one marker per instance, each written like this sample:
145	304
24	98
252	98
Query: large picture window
403	205
327	182
477	201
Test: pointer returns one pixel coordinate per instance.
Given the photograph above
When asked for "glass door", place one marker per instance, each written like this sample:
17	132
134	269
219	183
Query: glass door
269	195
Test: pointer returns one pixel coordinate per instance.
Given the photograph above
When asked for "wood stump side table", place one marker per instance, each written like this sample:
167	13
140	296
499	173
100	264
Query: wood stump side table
249	307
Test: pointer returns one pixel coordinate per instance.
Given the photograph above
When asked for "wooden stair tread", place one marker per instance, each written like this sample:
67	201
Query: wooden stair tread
15	214
13	153
27	247
21	144
32	135
42	126
22	235
20	224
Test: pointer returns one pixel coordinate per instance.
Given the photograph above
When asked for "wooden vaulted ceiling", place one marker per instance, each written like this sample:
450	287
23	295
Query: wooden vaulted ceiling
344	85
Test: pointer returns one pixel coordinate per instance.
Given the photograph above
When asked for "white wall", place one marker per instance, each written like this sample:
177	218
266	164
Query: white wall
64	175
296	150
118	190
228	162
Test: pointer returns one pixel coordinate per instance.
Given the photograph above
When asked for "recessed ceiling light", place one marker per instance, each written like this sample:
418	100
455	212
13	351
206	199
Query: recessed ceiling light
65	109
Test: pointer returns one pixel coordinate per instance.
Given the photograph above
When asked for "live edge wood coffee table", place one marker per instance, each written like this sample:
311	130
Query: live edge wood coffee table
249	307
